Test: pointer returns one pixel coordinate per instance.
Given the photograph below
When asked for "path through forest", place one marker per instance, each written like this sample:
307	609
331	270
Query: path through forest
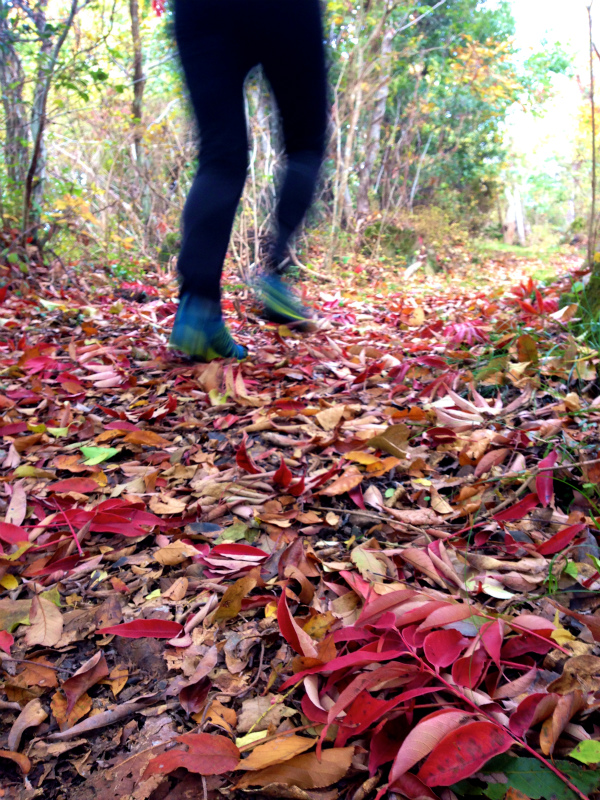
366	556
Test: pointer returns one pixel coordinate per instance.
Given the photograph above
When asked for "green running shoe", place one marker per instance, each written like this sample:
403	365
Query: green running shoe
281	303
200	333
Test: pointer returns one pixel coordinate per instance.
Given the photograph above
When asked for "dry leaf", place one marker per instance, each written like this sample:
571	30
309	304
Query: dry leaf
58	704
46	623
174	553
276	752
231	602
330	418
304	771
350	478
32	715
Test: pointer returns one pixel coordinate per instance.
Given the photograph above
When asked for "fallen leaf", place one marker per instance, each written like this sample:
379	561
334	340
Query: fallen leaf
330	418
58	705
88	675
463	752
20	760
30	717
145	628
231	602
207	754
46	623
276	752
304	771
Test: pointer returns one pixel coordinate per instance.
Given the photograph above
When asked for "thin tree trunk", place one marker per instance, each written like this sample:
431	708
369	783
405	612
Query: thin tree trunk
139	84
138	76
374	134
16	128
592	226
48	58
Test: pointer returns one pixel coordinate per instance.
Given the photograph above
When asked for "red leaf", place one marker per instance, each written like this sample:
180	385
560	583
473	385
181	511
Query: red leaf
243	551
13	534
207	754
424	737
544	482
381	603
463	752
13	429
447	614
283	476
560	540
81	485
468	671
6	641
193	698
442	648
492	636
366	655
530	711
61	565
243	460
519	510
297	639
298	488
145	628
439	436
356	496
86	676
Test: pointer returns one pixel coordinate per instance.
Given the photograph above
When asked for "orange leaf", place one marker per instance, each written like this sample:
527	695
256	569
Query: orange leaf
304	771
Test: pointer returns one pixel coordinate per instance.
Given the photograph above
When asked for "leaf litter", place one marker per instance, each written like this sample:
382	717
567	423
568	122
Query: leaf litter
363	562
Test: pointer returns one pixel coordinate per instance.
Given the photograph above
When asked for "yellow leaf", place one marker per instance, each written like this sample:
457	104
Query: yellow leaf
9	582
276	752
231	602
361	458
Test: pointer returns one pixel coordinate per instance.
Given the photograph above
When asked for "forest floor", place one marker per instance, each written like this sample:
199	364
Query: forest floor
364	560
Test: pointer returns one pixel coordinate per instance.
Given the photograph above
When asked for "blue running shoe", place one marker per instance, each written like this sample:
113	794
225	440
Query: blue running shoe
281	303
200	333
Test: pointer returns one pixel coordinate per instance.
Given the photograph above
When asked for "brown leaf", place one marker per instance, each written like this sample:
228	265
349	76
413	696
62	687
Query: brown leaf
177	590
58	704
568	705
148	438
36	673
163	504
304	771
88	675
276	752
117	679
527	349
330	418
22	761
109	613
231	602
394	440
46	623
175	552
350	478
579	673
17	508
32	715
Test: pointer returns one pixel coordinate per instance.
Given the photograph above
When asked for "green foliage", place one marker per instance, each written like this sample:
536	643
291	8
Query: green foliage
529	776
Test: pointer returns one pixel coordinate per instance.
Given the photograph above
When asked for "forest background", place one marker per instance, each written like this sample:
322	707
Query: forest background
99	147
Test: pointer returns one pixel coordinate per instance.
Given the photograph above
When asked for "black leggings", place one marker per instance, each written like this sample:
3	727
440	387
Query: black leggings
219	41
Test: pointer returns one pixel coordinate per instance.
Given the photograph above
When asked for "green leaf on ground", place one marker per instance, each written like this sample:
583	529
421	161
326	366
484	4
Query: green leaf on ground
96	455
588	752
532	778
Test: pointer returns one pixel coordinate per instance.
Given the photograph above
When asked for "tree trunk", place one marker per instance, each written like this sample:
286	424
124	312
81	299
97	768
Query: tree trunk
138	77
16	128
47	61
139	83
374	134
